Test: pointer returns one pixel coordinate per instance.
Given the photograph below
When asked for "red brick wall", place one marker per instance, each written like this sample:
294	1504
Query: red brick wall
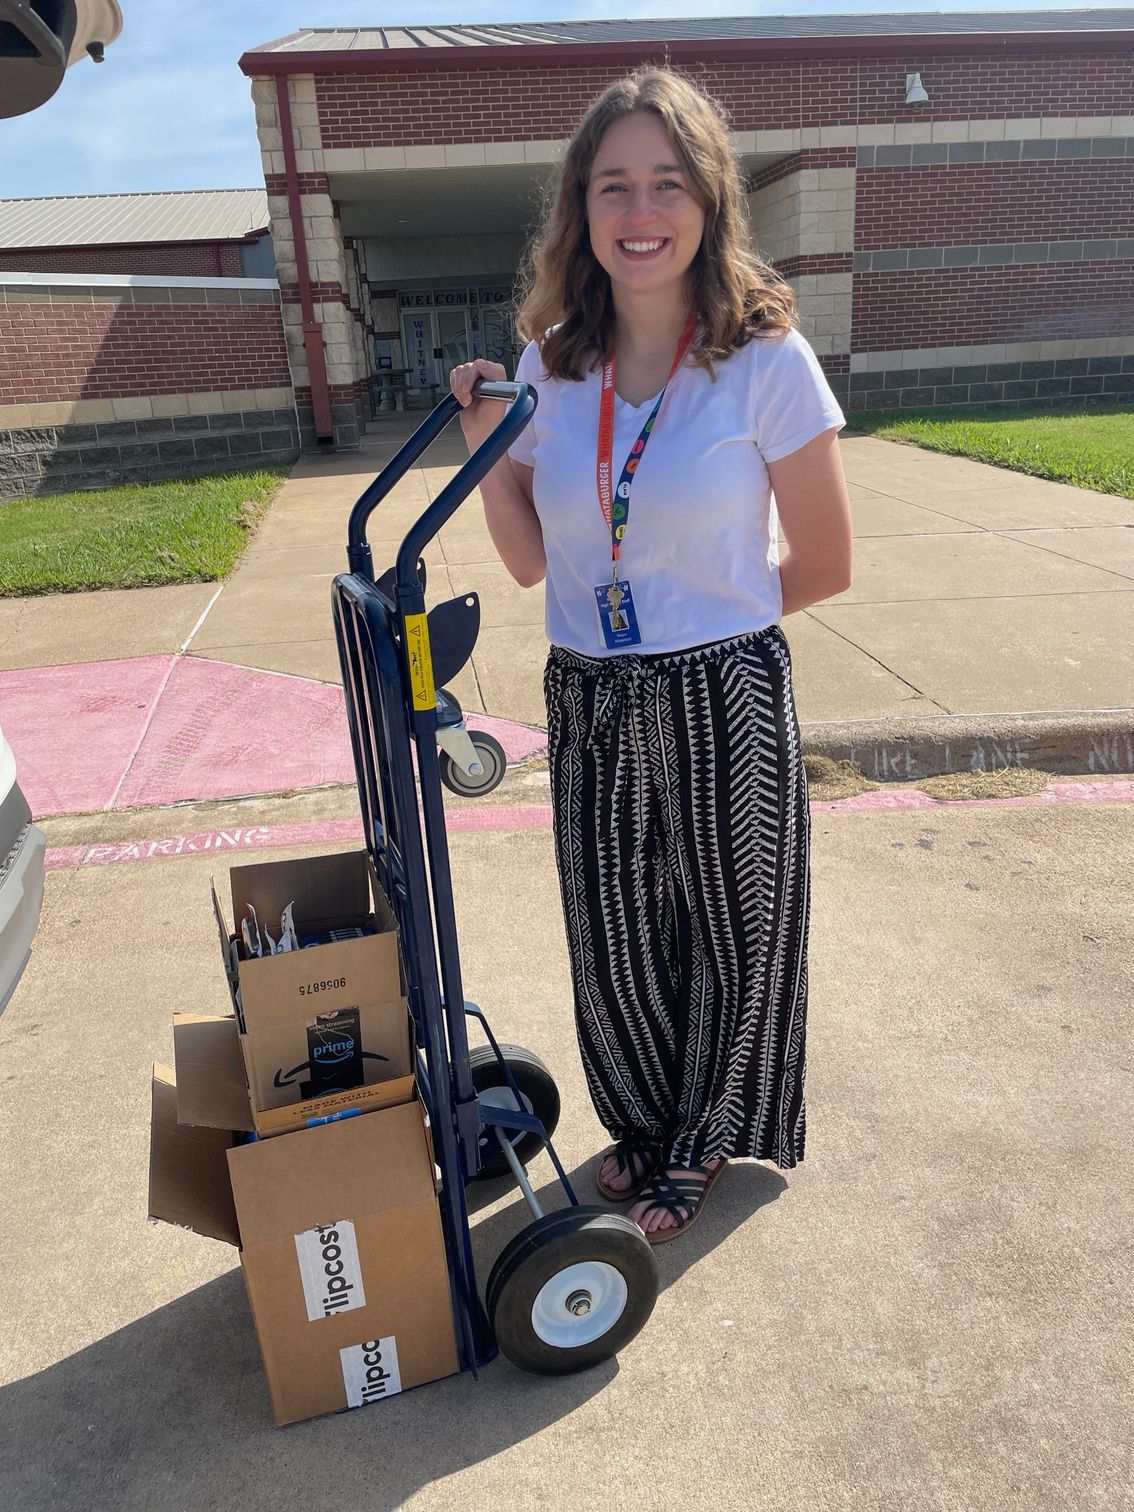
60	352
937	307
339	393
974	203
193	260
477	105
321	293
309	183
229	256
809	264
989	86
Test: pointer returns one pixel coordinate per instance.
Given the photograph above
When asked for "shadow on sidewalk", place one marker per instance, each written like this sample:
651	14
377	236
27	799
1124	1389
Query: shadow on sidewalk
383	438
171	1412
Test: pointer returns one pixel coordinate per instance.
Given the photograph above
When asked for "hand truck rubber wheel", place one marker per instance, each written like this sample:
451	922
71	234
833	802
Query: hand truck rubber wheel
492	758
571	1290
537	1089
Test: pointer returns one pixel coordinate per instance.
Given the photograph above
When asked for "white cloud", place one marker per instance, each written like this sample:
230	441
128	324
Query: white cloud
151	117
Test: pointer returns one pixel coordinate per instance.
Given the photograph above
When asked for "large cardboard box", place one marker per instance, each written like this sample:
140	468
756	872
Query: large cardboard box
341	1247
318	1023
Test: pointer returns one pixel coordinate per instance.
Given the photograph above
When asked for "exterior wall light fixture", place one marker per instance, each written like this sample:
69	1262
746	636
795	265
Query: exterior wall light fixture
915	90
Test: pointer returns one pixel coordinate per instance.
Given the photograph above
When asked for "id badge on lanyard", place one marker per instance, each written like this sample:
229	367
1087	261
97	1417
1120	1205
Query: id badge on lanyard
615	600
616	614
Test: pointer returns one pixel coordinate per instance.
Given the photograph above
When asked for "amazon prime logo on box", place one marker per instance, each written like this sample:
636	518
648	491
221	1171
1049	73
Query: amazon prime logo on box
329	1268
370	1371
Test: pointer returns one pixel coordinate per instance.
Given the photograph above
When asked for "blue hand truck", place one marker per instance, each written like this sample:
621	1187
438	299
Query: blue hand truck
577	1284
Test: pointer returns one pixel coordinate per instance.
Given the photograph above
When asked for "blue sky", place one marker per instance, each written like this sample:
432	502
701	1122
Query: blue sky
169	109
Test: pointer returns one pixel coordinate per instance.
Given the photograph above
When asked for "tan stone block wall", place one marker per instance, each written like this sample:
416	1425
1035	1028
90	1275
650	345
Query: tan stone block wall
154	407
805	213
774	213
825	310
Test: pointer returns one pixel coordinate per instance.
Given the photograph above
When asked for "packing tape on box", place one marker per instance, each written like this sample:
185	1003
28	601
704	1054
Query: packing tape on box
329	1269
370	1371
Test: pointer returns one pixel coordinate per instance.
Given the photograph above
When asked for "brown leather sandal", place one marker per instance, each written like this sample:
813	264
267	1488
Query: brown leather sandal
680	1195
639	1155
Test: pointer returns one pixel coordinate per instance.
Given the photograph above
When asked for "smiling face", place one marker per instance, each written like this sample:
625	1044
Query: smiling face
645	223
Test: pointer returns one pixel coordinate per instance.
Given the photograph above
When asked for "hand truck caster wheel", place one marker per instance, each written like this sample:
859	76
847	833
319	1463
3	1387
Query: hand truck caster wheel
571	1290
538	1093
490	754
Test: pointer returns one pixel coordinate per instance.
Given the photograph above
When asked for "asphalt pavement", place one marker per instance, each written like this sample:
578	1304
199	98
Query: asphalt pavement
932	1311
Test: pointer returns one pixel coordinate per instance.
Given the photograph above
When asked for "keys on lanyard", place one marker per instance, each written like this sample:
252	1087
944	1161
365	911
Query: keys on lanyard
615	599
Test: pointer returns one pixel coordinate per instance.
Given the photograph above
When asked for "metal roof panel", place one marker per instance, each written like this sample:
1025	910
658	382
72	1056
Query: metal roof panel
99	219
694	28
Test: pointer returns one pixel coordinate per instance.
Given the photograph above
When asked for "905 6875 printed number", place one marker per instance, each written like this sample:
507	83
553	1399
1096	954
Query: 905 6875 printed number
322	986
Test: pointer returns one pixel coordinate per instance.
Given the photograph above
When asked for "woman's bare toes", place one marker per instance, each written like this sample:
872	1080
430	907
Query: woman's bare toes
616	1180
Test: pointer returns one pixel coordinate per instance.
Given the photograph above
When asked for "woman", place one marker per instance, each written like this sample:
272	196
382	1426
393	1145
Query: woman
674	396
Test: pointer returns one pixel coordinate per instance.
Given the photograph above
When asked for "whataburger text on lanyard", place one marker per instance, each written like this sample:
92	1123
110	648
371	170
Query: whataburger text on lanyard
615	599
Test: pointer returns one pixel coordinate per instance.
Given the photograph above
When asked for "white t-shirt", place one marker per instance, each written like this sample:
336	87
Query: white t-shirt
700	545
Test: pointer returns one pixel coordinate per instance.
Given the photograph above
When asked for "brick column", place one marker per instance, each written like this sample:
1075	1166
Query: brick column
803	211
345	353
359	319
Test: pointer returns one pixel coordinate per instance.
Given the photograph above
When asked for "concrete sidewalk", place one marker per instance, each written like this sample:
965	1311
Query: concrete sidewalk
989	622
976	590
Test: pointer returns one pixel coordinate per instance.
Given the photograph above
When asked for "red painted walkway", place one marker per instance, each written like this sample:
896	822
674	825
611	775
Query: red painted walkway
168	729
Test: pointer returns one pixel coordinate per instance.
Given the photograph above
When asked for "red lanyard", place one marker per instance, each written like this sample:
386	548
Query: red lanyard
616	511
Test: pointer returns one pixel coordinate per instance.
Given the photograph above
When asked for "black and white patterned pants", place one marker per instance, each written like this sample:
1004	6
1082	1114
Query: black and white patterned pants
682	838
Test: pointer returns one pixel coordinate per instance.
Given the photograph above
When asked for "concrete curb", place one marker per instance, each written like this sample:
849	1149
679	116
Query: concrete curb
898	750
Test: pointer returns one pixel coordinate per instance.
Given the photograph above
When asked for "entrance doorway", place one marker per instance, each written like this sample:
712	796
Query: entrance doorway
442	328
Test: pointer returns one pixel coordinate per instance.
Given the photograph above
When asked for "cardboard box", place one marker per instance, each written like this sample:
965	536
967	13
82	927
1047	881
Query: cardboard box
341	1247
189	1183
212	1066
325	1019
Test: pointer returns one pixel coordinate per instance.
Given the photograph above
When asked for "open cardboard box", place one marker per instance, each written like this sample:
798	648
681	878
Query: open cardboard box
340	1243
210	1056
310	1022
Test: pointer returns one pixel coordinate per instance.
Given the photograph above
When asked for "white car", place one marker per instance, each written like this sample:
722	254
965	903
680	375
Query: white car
22	848
39	41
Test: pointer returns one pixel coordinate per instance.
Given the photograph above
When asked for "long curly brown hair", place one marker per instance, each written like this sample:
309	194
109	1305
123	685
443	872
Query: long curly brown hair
736	294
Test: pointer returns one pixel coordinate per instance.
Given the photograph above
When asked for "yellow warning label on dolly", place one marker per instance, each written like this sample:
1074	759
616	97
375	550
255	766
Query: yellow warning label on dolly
420	661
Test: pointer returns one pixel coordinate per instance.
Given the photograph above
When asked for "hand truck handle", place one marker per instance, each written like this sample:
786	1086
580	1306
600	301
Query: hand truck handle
521	401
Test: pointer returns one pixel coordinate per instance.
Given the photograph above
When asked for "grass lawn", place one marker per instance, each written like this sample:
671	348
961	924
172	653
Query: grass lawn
1092	447
190	531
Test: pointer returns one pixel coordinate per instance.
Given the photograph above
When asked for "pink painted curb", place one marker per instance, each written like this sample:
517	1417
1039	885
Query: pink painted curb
516	817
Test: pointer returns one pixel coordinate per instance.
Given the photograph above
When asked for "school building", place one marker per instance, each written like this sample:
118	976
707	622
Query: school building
951	196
